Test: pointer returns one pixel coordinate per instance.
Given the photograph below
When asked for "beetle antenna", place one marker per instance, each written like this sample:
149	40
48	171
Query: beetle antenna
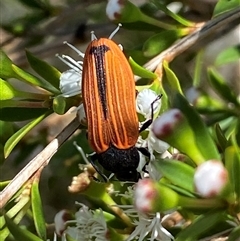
115	31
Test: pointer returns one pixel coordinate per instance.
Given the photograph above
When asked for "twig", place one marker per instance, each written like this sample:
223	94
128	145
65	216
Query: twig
41	160
221	23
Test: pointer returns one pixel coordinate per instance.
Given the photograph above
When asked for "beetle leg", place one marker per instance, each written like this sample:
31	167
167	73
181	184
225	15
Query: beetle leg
145	152
92	160
149	122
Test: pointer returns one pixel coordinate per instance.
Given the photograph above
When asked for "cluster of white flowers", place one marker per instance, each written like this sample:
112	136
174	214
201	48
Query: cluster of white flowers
89	225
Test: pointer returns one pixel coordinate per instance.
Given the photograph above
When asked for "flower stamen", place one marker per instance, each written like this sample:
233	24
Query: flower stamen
80	53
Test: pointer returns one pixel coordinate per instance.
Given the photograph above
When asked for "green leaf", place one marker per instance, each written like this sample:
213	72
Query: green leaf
221	139
178	18
6	66
48	72
38	217
228	55
22	202
200	226
3	185
2	222
223	6
33	80
221	87
234	235
131	13
22	213
7	91
140	71
14	139
202	136
18	233
172	78
198	69
177	172
159	42
20	114
4	231
232	162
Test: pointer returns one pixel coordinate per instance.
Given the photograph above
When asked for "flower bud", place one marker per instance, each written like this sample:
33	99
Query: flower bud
210	178
122	11
203	101
152	197
173	128
60	221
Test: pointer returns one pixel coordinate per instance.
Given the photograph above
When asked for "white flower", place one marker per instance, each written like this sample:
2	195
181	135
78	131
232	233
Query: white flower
71	80
70	83
156	144
152	226
89	225
144	100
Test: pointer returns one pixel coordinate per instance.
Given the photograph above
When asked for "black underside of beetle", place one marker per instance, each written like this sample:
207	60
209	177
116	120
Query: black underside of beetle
123	163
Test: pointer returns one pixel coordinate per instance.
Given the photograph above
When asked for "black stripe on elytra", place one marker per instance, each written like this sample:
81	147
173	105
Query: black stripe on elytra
98	53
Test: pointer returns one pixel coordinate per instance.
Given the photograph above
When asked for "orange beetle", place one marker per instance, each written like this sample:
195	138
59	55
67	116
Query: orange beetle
108	91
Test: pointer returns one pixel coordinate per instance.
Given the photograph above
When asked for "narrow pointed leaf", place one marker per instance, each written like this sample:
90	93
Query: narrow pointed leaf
20	234
234	235
223	6
6	66
37	210
172	78
24	201
7	91
228	55
14	139
48	72
33	80
177	17
222	140
4	232
140	71
221	87
177	172
159	42
3	184
232	160
200	226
